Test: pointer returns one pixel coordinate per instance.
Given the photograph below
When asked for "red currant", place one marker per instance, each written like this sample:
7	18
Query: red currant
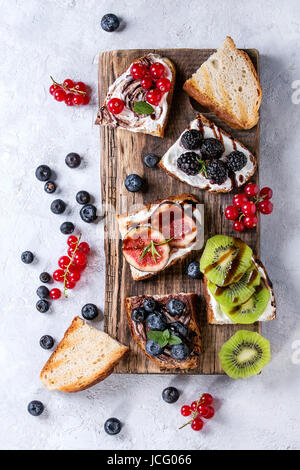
70	284
85	99
68	83
238	225
163	84
77	100
71	251
81	267
251	189
63	262
203	410
69	99
157	70
73	276
80	258
80	86
250	221
210	413
197	424
231	213
206	399
153	96
186	410
146	83
59	94
239	199
266	193
249	208
58	275
72	241
115	105
55	294
74	268
84	247
265	207
138	70
53	88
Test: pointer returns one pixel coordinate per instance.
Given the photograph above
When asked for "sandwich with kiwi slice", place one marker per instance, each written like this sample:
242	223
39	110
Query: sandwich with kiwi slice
237	288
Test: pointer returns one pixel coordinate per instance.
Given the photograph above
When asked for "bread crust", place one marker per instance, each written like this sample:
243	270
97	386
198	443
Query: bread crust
160	130
193	362
177	198
76	324
190	86
206	122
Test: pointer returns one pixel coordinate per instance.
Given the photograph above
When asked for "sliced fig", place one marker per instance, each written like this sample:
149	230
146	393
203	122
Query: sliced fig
175	221
146	249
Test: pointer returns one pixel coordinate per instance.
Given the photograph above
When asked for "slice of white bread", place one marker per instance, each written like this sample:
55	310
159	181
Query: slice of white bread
146	212
84	357
228	84
213	309
210	130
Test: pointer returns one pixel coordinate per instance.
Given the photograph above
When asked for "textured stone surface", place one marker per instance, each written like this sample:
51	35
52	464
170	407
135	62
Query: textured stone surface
62	38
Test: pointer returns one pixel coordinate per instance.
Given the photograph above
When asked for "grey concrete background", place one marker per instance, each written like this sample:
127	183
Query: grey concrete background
63	38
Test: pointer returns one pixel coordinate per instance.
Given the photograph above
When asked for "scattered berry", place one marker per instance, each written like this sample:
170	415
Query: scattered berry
157	70
55	294
80	86
265	207
186	410
210	413
163	85
192	139
250	221
251	189
84	247
50	187
115	105
153	348
45	277
69	99
239	200
138	314
211	149
83	197
236	160
231	213
134	183
216	171
175	307
58	206
266	193
46	342
27	257
180	352
43	173
70	284
73	160
67	227
249	208
151	160
42	292
85	99
63	262
77	100
170	394
52	89
138	70
72	241
88	213
79	258
149	305
68	83
58	275
89	311
73	276
112	426
194	406
193	270
203	410
197	424
153	96
42	306
206	399
146	83
59	94
189	164
238	225
110	22
35	408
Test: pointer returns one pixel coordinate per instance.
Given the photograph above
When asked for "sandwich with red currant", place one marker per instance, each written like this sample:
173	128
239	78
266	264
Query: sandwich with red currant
161	233
140	99
206	157
165	328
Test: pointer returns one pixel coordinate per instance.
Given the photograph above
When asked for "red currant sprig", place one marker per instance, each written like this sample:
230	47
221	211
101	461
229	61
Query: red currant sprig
73	94
243	211
198	409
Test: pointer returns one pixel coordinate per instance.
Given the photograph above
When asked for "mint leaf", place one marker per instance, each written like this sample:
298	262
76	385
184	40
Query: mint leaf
166	335
174	340
157	336
141	107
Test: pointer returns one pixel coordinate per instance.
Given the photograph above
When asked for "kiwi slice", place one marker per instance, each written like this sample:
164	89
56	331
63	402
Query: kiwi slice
225	259
250	311
245	354
238	292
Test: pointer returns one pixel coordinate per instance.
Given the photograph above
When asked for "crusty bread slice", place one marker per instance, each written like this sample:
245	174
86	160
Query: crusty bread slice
105	118
227	84
137	329
84	357
139	216
217	317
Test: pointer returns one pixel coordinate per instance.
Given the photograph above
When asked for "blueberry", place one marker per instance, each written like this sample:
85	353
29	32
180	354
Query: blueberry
89	311
73	160
110	22
66	228
193	270
149	304
170	394
156	321
27	257
45	277
88	213
112	426
46	342
58	206
83	197
43	173
153	348
50	187
138	314
35	408
178	329
134	183
42	306
175	307
180	351
151	160
43	292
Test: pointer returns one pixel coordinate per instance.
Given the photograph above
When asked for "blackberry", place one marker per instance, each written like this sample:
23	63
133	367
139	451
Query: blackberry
236	160
188	163
211	148
192	139
216	171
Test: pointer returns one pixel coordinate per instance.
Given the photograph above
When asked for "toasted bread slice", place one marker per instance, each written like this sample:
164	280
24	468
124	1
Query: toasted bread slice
168	163
188	318
129	90
228	84
141	218
217	317
84	357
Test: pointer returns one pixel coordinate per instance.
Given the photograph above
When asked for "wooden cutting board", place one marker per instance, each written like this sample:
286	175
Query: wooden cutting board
121	154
